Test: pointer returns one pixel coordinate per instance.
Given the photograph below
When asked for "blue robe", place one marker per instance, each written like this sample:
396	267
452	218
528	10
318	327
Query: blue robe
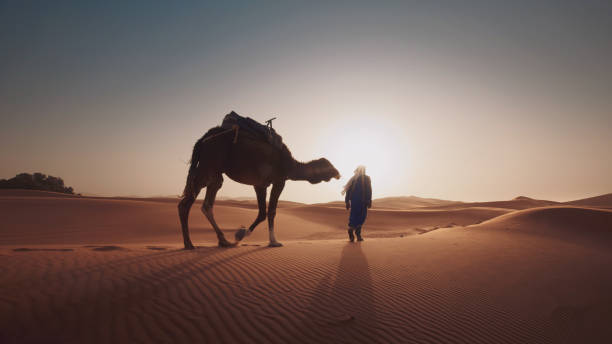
360	196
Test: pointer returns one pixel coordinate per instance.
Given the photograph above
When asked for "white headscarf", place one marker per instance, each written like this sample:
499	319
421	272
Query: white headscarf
359	171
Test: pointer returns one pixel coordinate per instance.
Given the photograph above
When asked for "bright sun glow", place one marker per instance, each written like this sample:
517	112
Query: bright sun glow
365	142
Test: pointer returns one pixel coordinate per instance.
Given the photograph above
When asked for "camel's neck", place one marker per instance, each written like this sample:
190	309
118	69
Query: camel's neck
302	171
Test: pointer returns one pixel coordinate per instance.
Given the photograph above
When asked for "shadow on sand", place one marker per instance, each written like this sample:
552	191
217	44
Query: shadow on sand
105	248
25	249
344	306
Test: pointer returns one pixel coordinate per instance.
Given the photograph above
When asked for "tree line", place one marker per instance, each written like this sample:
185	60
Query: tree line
36	181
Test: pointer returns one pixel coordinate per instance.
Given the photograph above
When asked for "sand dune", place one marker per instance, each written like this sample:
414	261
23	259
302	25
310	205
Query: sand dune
33	217
604	201
403	222
588	226
418	203
399	203
39	218
517	203
409	202
90	270
242	203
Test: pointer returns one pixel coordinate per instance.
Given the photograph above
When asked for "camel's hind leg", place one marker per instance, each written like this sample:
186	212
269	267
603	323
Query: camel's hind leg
213	185
184	207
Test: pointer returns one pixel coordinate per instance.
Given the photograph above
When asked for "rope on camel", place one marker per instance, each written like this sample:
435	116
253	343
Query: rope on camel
234	127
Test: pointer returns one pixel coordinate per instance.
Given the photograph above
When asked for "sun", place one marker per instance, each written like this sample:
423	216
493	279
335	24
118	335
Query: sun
373	145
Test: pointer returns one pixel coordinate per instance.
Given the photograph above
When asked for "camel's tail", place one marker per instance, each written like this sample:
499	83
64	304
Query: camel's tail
194	162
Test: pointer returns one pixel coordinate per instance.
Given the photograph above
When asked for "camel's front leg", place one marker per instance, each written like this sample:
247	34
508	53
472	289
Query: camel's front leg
260	191
207	209
277	188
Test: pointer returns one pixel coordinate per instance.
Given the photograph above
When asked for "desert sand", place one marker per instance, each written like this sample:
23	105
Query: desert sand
112	270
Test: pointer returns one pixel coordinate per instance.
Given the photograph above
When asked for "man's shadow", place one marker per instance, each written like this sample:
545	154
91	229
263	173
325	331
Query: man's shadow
344	306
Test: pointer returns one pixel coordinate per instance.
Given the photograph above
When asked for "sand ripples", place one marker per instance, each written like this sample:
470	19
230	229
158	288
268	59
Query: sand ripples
343	293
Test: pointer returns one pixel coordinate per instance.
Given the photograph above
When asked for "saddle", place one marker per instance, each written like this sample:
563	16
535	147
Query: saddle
253	128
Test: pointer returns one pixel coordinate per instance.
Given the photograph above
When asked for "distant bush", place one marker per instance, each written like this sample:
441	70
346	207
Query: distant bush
36	181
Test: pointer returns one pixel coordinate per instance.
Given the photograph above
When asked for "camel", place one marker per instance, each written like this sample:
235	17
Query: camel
243	156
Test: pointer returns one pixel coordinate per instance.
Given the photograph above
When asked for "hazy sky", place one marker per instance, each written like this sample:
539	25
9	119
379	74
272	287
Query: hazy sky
485	100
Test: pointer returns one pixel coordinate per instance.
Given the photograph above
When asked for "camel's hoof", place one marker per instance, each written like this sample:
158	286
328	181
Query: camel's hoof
240	234
189	246
227	244
275	244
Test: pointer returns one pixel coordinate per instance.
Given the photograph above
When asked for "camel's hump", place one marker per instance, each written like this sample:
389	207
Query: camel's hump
253	127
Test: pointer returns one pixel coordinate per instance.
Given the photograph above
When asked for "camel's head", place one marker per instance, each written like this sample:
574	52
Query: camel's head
321	170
